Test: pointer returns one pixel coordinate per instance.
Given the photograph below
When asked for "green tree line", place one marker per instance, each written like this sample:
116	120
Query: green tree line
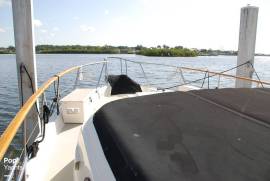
168	52
178	51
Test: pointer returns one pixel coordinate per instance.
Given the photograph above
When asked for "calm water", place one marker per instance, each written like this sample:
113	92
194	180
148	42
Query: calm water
48	65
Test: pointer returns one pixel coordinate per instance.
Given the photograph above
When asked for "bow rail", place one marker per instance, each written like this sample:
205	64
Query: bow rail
17	121
180	68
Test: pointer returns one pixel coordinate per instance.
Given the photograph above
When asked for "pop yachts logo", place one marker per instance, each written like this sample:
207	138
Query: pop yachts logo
12	163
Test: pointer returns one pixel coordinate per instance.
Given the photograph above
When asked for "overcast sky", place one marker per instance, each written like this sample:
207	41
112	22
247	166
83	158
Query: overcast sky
190	23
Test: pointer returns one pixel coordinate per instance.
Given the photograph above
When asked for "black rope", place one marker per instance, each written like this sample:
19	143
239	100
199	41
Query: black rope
55	100
256	74
21	80
22	67
33	148
46	116
204	79
46	111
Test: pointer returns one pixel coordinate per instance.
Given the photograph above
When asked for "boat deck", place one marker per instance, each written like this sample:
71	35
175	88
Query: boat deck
197	135
55	158
56	153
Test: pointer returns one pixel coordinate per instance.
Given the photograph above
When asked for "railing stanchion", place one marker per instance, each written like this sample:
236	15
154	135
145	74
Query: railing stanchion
121	65
179	70
100	75
144	74
77	78
106	68
126	66
208	76
218	81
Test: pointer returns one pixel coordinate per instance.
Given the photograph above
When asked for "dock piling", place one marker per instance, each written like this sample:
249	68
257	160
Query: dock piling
246	45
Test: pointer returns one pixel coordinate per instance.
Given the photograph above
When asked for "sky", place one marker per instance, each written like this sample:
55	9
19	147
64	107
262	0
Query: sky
190	23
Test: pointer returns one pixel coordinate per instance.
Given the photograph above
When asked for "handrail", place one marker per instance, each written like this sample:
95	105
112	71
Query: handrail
17	121
195	69
226	75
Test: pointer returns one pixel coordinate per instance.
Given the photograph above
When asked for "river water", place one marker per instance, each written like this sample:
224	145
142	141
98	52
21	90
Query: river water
48	65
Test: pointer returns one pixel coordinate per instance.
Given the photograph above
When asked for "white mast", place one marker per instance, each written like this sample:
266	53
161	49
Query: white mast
25	57
246	46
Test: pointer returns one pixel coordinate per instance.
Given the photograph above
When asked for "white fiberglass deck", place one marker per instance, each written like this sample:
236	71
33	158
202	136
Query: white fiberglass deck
56	155
54	160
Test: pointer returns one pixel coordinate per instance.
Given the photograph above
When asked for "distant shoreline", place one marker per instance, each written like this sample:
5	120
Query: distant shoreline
159	51
258	55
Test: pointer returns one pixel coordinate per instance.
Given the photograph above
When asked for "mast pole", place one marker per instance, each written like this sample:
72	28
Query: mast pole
246	45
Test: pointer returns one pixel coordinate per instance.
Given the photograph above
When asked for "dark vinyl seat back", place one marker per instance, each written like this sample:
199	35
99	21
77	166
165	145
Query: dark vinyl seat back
122	84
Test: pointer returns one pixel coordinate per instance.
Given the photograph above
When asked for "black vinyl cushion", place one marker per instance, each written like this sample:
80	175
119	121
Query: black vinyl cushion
178	136
122	84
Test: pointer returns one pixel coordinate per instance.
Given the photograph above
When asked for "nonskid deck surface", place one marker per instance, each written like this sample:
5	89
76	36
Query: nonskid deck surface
180	136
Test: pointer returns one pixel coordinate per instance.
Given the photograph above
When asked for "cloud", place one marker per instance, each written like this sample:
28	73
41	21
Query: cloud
87	28
106	12
37	23
52	34
5	2
2	30
55	28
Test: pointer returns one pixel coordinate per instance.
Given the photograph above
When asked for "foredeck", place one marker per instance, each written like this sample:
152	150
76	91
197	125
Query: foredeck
54	161
55	158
